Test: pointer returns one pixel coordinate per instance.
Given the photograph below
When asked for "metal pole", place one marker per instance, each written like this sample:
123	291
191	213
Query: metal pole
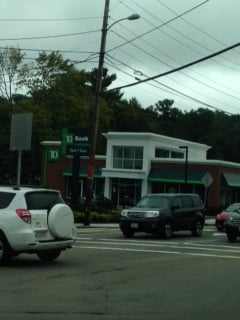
95	117
19	167
186	166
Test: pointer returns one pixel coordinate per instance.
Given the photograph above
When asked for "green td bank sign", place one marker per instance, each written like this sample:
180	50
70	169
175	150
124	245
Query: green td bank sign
53	155
75	141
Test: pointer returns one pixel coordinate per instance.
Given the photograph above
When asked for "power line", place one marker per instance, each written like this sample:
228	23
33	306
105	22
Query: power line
48	19
179	68
53	36
161	25
173	91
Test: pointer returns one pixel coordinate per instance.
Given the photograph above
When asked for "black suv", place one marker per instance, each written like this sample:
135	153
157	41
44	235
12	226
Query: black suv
161	214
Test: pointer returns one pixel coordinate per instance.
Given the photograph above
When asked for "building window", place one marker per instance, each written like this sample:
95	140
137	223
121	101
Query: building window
127	157
177	155
164	153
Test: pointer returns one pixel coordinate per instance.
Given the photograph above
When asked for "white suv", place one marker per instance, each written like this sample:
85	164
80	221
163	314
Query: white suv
34	221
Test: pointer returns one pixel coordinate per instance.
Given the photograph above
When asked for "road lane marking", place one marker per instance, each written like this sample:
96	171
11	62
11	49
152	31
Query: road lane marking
183	246
159	251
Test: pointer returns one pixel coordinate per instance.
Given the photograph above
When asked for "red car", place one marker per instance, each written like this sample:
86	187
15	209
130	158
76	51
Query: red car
223	216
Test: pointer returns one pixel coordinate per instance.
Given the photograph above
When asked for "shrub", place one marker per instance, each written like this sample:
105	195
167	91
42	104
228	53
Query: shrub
110	216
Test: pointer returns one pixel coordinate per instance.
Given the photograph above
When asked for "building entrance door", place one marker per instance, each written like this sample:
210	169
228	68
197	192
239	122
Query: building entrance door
126	192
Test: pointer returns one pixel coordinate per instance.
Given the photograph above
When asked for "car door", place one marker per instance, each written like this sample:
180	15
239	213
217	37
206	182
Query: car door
188	211
177	213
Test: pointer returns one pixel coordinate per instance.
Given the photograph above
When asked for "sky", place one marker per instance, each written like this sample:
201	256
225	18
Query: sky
169	35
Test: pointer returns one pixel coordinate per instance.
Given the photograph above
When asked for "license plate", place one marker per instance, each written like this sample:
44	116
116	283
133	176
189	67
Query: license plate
134	225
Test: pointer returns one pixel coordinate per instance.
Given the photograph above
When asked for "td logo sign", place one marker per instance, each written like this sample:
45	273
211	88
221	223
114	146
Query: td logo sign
53	155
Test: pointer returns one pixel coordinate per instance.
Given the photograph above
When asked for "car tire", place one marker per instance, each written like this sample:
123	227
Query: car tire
48	255
5	251
61	221
197	228
232	237
128	233
166	230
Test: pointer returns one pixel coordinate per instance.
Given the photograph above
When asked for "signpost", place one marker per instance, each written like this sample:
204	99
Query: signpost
207	180
21	135
75	142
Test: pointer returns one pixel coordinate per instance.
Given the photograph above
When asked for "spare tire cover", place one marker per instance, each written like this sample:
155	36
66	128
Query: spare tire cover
61	221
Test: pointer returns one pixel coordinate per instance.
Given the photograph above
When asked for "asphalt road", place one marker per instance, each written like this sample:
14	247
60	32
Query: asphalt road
106	276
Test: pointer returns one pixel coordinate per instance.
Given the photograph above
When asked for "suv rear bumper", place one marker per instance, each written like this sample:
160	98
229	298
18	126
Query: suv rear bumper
46	245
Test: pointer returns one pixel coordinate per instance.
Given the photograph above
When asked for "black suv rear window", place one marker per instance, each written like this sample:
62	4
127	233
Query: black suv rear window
5	199
42	200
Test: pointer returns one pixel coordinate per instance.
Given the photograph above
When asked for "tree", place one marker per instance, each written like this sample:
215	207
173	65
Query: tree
107	80
10	67
40	78
168	117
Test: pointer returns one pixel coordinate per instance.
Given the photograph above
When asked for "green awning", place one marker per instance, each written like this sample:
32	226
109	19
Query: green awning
175	176
232	179
67	172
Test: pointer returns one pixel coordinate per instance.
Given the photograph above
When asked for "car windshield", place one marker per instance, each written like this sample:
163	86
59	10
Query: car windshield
153	202
235	207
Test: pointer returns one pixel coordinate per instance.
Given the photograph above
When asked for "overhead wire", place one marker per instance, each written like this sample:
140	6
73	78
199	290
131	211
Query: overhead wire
188	64
175	91
180	67
146	42
197	80
50	36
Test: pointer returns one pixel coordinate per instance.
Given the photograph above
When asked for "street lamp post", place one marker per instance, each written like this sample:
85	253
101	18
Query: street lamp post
96	110
186	165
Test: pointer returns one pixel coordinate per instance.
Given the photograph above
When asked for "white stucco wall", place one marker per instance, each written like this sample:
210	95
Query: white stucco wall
149	142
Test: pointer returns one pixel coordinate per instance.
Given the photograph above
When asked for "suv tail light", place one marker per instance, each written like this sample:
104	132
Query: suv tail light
24	214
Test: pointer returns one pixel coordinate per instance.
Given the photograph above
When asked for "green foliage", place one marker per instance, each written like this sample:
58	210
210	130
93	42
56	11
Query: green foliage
61	96
110	216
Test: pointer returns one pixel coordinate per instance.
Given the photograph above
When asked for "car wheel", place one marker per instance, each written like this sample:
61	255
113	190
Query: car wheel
197	229
128	233
49	255
5	252
166	230
232	237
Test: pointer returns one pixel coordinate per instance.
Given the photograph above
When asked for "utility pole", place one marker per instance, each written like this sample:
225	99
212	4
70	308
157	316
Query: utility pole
95	117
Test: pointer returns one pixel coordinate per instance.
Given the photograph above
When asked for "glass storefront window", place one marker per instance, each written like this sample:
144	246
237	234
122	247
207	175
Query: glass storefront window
127	157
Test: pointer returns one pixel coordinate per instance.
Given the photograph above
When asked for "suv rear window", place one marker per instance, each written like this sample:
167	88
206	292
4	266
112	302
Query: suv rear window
42	200
5	199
